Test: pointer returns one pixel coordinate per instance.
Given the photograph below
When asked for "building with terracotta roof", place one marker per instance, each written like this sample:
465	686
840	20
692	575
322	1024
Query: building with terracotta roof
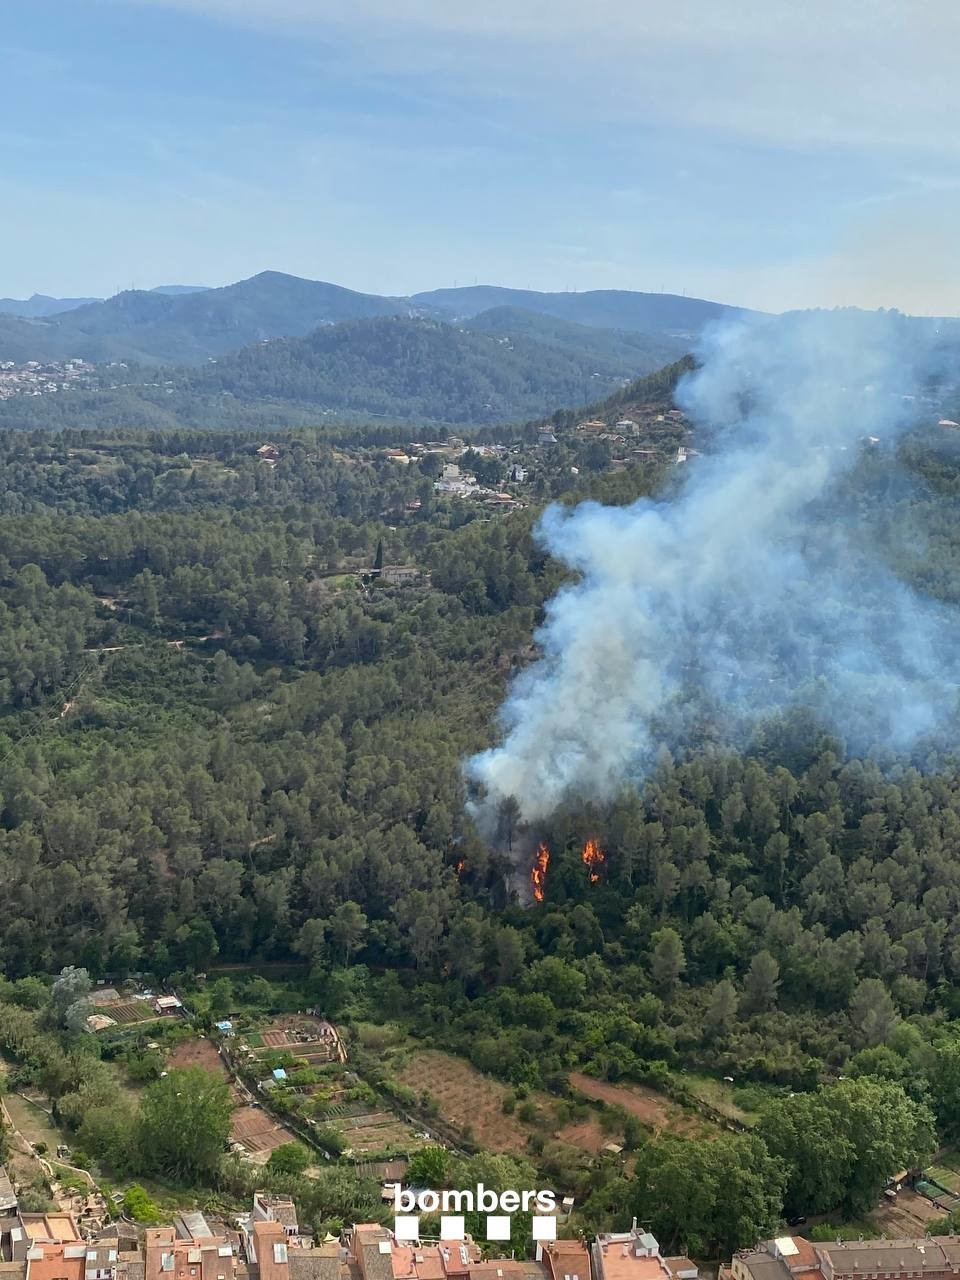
281	1209
565	1259
46	1261
170	1256
50	1228
509	1269
370	1248
794	1258
635	1255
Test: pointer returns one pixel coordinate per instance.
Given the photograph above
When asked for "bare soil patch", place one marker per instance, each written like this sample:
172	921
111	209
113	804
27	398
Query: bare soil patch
198	1053
906	1217
259	1132
202	1053
586	1135
652	1109
469	1100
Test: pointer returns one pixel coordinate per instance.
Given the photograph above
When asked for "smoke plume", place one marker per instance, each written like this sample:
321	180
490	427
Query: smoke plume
751	590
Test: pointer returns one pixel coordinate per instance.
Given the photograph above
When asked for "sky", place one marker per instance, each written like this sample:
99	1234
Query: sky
759	152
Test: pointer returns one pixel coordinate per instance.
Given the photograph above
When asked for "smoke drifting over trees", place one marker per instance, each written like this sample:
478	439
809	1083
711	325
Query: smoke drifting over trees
753	590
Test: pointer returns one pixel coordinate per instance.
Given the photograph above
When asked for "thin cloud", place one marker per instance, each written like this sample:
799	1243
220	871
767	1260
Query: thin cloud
865	74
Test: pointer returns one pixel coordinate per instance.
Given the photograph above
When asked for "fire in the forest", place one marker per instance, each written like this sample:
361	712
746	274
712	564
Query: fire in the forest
538	872
593	858
461	866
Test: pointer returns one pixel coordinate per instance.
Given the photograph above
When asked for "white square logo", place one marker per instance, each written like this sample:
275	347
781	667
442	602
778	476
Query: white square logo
498	1228
451	1226
406	1227
544	1228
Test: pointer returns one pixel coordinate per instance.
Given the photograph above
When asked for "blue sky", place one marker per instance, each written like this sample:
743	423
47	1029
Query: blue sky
755	151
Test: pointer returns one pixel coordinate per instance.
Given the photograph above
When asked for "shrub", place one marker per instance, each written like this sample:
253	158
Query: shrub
138	1205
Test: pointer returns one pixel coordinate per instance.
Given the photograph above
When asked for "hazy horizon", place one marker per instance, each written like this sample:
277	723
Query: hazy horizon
751	153
485	284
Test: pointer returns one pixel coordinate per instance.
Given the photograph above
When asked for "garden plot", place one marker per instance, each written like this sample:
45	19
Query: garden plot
370	1130
313	1040
257	1131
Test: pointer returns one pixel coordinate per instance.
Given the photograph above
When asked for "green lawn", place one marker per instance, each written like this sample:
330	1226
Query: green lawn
945	1176
720	1095
33	1122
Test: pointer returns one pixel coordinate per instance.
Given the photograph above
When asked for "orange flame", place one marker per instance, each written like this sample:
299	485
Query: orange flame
461	866
538	873
594	858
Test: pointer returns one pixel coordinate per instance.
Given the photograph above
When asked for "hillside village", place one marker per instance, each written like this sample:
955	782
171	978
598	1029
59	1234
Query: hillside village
37	378
268	1243
293	1079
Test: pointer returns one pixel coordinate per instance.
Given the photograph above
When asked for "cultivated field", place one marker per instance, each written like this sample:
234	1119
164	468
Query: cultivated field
309	1038
467	1099
373	1130
127	1012
470	1100
652	1109
258	1131
944	1176
906	1217
201	1053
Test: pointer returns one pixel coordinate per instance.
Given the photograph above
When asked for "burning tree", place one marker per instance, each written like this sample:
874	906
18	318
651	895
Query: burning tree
593	857
538	872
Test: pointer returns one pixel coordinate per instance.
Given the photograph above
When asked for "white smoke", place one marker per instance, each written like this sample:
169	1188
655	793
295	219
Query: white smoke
737	597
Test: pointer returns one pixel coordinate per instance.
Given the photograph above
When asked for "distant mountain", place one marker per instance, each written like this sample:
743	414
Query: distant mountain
174	289
600	308
188	324
188	328
38	304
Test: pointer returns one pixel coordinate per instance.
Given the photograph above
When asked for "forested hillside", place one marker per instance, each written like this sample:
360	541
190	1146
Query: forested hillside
224	741
401	369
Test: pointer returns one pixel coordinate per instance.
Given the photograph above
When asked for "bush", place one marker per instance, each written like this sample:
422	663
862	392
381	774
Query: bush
331	1139
34	1200
138	1205
291	1157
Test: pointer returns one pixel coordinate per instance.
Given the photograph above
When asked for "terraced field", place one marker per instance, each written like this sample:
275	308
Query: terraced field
472	1102
259	1132
371	1128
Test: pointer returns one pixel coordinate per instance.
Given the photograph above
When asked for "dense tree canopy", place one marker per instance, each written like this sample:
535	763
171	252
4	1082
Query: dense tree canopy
224	743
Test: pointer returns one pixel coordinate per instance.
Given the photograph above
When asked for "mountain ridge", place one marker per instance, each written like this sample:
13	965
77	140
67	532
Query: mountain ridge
191	325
